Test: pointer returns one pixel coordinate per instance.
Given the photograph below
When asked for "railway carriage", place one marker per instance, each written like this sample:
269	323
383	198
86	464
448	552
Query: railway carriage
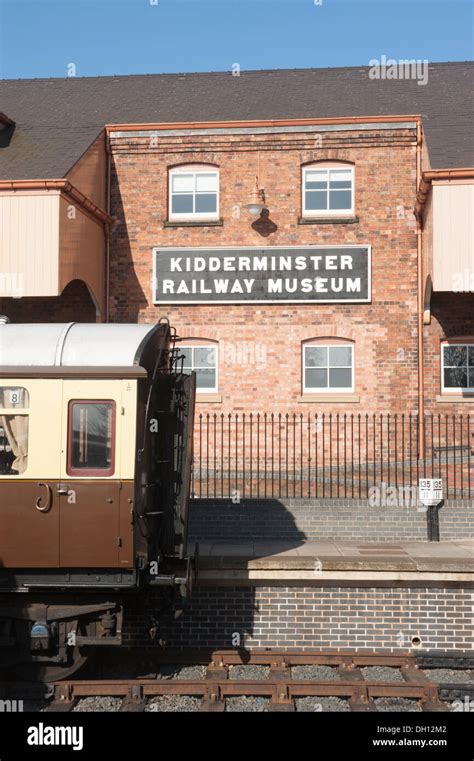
95	458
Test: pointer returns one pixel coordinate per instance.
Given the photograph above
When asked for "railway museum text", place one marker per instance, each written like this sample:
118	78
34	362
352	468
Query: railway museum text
315	273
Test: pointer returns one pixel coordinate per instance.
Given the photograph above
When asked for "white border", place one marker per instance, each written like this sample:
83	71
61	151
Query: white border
188	169
368	300
211	345
316	214
456	391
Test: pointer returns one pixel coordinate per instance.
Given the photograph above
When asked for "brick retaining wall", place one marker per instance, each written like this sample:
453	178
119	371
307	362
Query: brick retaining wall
364	618
305	519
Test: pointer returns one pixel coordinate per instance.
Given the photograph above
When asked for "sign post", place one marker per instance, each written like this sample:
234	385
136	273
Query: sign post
431	495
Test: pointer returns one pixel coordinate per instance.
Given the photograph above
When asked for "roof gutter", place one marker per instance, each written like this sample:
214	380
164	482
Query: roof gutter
65	188
433	175
261	123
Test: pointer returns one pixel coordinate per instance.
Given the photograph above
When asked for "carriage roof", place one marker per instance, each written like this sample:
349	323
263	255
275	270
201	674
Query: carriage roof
106	349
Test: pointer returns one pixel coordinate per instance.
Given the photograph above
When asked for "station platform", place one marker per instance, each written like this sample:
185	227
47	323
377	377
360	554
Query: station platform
331	560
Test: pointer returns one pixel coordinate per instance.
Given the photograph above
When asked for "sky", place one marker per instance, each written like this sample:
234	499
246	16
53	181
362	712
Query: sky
42	38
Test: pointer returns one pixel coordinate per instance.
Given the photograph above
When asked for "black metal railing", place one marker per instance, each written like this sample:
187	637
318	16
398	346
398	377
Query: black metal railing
329	456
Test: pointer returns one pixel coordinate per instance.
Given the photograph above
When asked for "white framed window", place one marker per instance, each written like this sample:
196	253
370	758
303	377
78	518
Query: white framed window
203	360
328	368
194	192
327	190
457	367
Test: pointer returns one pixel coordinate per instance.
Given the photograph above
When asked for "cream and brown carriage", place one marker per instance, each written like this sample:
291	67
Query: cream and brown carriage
95	458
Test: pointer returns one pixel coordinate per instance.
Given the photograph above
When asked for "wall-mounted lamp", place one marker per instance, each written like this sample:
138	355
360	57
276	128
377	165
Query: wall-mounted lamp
257	200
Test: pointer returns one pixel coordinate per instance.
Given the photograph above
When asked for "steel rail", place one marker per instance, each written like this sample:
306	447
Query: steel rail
279	687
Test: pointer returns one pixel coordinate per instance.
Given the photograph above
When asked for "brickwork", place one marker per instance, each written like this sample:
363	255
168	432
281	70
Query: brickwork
310	618
301	520
456	520
384	331
74	305
259	345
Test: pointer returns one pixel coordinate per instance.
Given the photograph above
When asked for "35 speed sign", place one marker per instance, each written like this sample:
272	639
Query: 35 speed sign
430	490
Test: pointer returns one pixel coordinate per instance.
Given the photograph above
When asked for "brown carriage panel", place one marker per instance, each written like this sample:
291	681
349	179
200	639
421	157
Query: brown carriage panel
29	524
89	524
126	524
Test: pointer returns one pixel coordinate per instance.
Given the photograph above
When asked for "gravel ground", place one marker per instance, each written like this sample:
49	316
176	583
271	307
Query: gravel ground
252	673
247	705
173	703
324	705
109	705
185	673
385	705
183	703
382	674
449	675
327	673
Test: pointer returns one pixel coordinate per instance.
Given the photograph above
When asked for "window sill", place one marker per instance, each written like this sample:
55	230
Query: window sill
312	398
351	220
209	398
455	399
193	222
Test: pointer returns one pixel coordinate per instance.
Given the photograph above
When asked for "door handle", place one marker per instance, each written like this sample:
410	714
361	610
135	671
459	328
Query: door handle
64	492
44	508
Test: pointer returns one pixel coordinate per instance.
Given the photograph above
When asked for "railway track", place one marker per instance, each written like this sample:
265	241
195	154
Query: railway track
350	681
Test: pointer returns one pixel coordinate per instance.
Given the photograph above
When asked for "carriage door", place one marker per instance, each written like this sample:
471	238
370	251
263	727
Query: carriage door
30	429
90	488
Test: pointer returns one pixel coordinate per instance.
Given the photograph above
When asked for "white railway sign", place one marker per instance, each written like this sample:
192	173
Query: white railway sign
430	491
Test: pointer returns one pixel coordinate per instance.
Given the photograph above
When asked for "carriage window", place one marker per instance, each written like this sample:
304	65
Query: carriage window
13	430
91	438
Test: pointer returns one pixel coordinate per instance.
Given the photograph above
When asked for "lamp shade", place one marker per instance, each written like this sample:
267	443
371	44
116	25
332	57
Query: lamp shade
256	204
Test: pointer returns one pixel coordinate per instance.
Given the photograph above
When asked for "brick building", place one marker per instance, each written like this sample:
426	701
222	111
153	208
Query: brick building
130	198
310	235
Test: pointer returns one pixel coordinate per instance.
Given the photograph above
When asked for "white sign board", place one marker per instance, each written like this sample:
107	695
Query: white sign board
430	491
14	394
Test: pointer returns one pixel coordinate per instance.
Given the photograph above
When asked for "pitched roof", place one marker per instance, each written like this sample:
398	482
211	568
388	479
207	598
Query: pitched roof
57	119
